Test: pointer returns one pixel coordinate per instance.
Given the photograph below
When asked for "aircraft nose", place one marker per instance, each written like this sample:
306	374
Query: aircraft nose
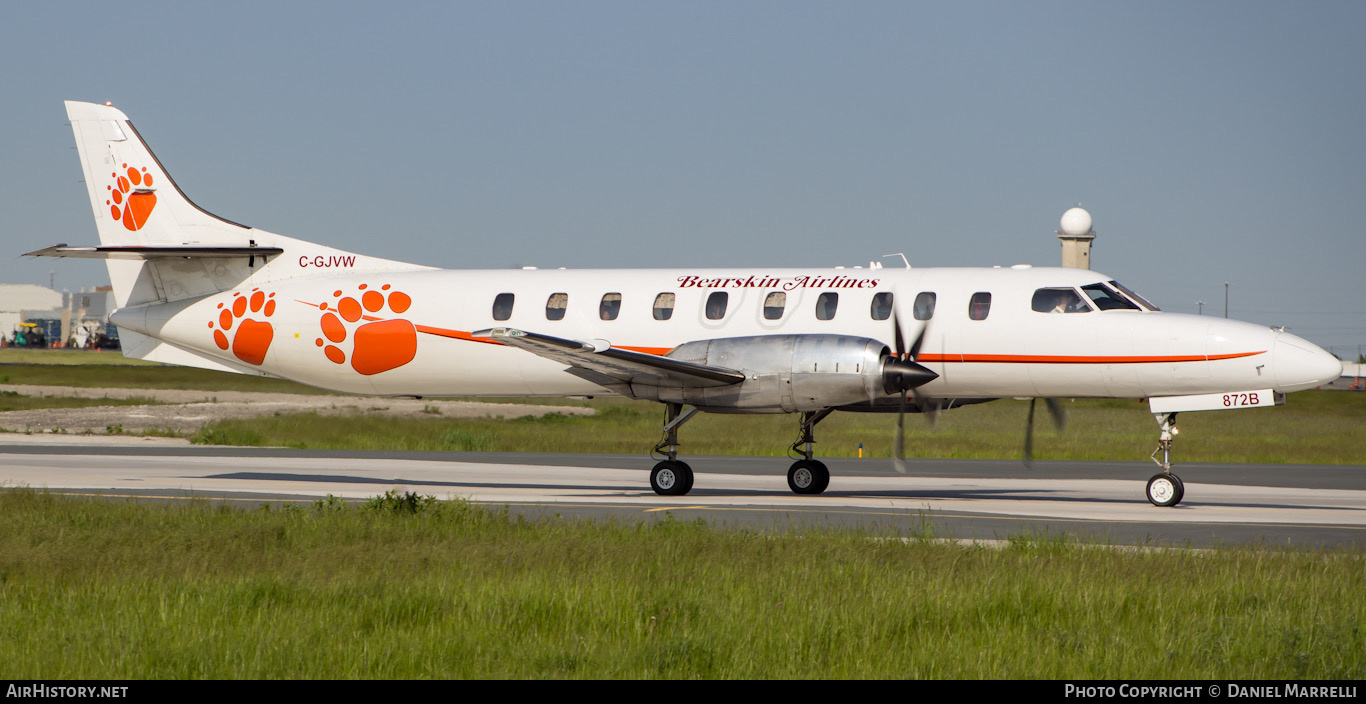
1300	364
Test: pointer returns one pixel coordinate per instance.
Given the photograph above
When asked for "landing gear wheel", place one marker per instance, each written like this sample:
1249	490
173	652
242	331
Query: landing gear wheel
1165	489
808	477
671	478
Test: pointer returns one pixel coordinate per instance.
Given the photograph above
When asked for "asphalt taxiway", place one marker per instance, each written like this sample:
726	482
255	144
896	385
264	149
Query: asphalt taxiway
1225	504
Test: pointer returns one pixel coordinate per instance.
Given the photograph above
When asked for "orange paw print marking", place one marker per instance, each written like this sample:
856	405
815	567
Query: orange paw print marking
130	197
376	346
251	338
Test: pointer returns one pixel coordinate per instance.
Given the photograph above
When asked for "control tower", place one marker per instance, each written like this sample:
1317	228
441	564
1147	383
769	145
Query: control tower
1076	235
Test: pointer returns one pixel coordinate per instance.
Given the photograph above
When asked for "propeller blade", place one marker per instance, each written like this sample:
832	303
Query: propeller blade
915	346
898	443
1059	414
899	337
1029	437
928	406
901	374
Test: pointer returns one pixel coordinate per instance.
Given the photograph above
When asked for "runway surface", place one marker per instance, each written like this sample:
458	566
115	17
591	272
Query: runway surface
1228	504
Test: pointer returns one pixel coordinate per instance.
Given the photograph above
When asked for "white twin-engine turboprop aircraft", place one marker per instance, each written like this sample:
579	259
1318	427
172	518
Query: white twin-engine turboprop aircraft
197	290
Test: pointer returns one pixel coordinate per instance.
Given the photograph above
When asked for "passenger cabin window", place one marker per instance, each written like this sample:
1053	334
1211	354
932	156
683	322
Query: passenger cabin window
1131	294
774	303
555	307
979	306
610	306
1058	300
664	306
882	306
1106	299
502	306
826	305
716	305
923	308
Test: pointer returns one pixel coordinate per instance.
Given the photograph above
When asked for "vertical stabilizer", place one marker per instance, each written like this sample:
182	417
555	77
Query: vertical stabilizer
134	199
137	205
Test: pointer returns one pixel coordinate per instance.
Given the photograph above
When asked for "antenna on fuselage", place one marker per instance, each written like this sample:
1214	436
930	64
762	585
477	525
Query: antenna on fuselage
898	254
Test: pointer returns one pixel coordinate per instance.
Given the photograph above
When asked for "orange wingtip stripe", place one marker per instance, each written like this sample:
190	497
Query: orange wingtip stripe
657	351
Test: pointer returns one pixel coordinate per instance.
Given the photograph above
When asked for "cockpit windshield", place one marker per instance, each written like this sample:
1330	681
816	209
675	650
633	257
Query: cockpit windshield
1134	296
1107	299
1058	300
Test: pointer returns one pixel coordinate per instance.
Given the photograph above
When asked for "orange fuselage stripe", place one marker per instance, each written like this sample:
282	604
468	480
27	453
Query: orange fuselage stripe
942	358
1078	359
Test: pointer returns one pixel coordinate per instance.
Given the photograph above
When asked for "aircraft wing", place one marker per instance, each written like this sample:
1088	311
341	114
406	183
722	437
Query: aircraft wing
135	252
613	367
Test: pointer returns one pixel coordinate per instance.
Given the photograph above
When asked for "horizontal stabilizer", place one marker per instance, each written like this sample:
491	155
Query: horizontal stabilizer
619	364
138	252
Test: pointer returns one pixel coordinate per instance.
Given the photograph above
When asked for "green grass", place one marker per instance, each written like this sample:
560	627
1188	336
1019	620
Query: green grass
144	376
1315	427
97	589
15	401
68	357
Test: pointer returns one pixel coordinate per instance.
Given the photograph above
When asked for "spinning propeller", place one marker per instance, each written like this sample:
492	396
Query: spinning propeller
1059	420
901	374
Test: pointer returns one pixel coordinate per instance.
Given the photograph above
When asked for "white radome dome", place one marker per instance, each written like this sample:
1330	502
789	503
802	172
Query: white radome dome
1076	222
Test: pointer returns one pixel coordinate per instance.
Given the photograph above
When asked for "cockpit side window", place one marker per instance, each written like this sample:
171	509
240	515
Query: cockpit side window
1130	293
1106	299
1058	300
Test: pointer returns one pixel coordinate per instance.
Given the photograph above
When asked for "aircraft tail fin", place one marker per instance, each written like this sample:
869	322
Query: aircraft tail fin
161	247
134	199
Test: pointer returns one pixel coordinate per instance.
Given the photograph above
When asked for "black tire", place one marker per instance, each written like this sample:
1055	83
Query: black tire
671	478
808	477
1165	490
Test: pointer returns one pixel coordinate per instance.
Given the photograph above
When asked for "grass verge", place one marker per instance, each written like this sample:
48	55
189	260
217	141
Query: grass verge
14	401
408	587
1315	427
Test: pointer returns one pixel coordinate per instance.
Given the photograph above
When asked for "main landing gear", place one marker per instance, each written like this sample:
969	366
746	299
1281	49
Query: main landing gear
1165	488
808	475
673	477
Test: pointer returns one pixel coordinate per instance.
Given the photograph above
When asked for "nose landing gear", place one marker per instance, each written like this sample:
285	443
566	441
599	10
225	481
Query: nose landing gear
1165	488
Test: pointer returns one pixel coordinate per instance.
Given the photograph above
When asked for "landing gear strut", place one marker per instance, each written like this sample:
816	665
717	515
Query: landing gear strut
672	477
808	475
1165	488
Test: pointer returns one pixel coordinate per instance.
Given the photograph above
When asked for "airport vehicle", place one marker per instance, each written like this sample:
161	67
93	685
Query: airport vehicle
198	290
28	335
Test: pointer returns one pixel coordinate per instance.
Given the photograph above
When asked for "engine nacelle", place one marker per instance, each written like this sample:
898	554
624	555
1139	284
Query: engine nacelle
787	373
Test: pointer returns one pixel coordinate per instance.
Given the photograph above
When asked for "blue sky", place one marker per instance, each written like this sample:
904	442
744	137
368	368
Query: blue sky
1212	141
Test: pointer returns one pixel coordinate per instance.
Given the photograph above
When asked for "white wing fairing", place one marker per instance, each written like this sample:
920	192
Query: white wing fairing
199	290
